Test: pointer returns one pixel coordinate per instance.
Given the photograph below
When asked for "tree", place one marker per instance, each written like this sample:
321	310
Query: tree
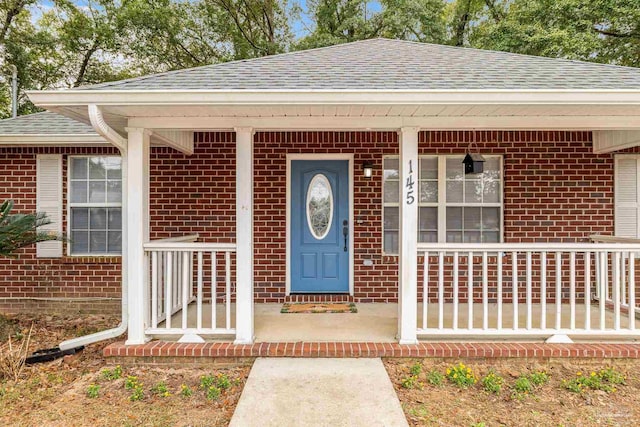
606	31
21	230
15	24
340	21
255	27
419	20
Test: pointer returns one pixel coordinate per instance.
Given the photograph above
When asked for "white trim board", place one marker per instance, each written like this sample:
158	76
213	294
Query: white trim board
310	156
211	123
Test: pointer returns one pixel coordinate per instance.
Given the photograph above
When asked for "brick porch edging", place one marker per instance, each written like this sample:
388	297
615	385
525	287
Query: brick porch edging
369	349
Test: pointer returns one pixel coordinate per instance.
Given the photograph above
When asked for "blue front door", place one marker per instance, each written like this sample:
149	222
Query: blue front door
319	226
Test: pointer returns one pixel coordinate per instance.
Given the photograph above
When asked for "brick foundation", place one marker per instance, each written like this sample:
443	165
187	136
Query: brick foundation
158	350
555	190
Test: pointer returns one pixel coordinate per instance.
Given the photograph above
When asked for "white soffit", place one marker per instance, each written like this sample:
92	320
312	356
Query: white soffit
606	141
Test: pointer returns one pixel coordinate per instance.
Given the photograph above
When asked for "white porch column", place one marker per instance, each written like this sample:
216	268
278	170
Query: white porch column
408	261
244	235
136	168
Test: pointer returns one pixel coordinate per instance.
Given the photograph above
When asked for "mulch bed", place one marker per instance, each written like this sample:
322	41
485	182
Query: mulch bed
56	393
550	404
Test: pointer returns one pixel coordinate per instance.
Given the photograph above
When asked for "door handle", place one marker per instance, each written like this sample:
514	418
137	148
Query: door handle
345	233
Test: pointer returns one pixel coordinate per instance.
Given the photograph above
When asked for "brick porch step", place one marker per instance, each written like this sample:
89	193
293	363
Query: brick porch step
367	349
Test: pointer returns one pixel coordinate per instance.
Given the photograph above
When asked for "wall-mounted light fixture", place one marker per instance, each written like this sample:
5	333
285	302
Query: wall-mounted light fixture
367	169
473	162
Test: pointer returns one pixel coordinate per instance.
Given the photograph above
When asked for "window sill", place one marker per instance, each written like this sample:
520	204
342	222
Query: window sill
91	259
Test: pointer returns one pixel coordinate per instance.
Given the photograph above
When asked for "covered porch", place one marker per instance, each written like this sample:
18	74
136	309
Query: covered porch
586	297
562	286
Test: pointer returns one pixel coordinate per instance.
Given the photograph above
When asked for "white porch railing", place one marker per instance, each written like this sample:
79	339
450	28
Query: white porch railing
624	271
185	282
527	289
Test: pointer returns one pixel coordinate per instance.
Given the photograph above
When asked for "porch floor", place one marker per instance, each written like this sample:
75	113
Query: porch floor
379	322
372	323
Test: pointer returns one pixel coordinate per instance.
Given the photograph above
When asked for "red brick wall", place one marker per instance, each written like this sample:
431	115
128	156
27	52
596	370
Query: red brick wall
27	282
555	189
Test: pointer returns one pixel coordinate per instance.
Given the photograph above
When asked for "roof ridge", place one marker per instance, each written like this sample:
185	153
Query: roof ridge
235	61
6	119
507	53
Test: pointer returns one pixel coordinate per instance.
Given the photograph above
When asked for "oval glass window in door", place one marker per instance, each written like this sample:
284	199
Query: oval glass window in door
319	206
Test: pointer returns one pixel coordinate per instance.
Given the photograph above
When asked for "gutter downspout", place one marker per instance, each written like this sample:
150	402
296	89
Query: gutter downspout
104	130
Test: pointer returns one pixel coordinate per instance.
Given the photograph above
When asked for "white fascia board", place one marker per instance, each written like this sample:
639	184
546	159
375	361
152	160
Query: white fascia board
64	140
53	98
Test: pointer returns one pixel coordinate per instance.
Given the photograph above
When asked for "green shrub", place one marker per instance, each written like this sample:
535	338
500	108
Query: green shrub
435	378
185	391
213	392
137	393
612	376
411	382
605	380
461	375
112	374
492	382
415	369
207	381
130	382
223	382
93	391
160	389
523	385
539	378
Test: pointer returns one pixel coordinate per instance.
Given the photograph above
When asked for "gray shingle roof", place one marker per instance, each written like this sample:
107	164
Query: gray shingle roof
390	64
45	123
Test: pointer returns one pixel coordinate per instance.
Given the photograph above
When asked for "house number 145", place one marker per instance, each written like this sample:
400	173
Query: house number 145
409	185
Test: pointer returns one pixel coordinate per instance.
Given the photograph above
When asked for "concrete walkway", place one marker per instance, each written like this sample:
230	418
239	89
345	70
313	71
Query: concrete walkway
318	392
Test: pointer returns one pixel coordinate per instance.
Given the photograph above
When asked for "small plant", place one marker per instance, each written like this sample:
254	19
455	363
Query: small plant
112	374
492	382
213	392
160	389
612	376
137	393
435	378
411	382
523	385
416	369
130	382
461	375
185	391
539	378
93	391
223	382
207	381
605	380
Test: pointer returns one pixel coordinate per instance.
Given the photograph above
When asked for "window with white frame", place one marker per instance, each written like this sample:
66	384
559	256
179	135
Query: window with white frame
452	206
95	205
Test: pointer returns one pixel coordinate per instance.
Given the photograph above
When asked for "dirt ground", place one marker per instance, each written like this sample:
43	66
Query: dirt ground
550	404
56	393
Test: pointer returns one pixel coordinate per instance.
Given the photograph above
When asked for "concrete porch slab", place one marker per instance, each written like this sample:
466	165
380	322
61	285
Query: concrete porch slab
372	323
312	392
